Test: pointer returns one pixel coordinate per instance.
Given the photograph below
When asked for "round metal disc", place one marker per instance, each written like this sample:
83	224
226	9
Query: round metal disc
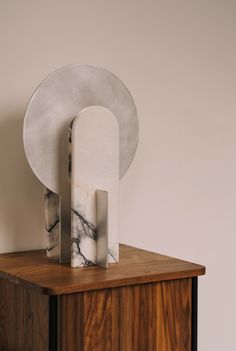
58	99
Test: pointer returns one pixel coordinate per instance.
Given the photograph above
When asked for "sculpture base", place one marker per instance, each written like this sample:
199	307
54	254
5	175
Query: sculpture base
145	302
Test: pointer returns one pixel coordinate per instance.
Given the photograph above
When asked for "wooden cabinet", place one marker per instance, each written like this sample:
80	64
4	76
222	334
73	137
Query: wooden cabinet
146	302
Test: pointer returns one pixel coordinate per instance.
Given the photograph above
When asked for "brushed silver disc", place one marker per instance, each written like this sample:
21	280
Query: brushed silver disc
57	100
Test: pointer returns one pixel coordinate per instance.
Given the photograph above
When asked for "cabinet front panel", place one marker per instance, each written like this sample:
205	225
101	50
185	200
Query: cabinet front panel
145	317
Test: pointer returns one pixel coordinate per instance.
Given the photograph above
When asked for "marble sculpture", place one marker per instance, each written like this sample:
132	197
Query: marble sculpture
80	136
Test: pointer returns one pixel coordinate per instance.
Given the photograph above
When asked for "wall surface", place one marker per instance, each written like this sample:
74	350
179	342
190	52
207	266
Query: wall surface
177	57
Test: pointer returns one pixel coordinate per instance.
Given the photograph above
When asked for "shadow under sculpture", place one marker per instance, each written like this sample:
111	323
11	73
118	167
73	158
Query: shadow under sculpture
90	152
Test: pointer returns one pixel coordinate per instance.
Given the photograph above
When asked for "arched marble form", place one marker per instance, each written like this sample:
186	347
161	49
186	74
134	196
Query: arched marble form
95	167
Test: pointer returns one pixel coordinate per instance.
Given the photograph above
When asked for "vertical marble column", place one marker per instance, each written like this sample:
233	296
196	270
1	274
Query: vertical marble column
95	166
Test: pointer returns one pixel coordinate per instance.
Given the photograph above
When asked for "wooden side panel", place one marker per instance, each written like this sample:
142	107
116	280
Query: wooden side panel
23	318
146	317
174	315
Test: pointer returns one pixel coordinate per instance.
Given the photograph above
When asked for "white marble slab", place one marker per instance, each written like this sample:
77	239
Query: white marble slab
94	165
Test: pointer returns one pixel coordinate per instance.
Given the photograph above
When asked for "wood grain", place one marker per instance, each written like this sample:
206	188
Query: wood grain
174	315
23	319
147	317
34	270
72	319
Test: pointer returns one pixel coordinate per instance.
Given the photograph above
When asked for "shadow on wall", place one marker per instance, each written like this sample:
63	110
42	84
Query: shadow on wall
21	194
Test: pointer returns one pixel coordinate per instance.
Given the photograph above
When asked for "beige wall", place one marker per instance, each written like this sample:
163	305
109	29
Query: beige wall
178	59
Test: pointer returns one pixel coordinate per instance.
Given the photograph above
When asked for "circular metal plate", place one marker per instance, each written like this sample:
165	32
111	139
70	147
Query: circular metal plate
58	99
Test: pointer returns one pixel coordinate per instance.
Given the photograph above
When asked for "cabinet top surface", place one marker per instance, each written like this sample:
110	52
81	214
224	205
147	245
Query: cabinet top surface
34	270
